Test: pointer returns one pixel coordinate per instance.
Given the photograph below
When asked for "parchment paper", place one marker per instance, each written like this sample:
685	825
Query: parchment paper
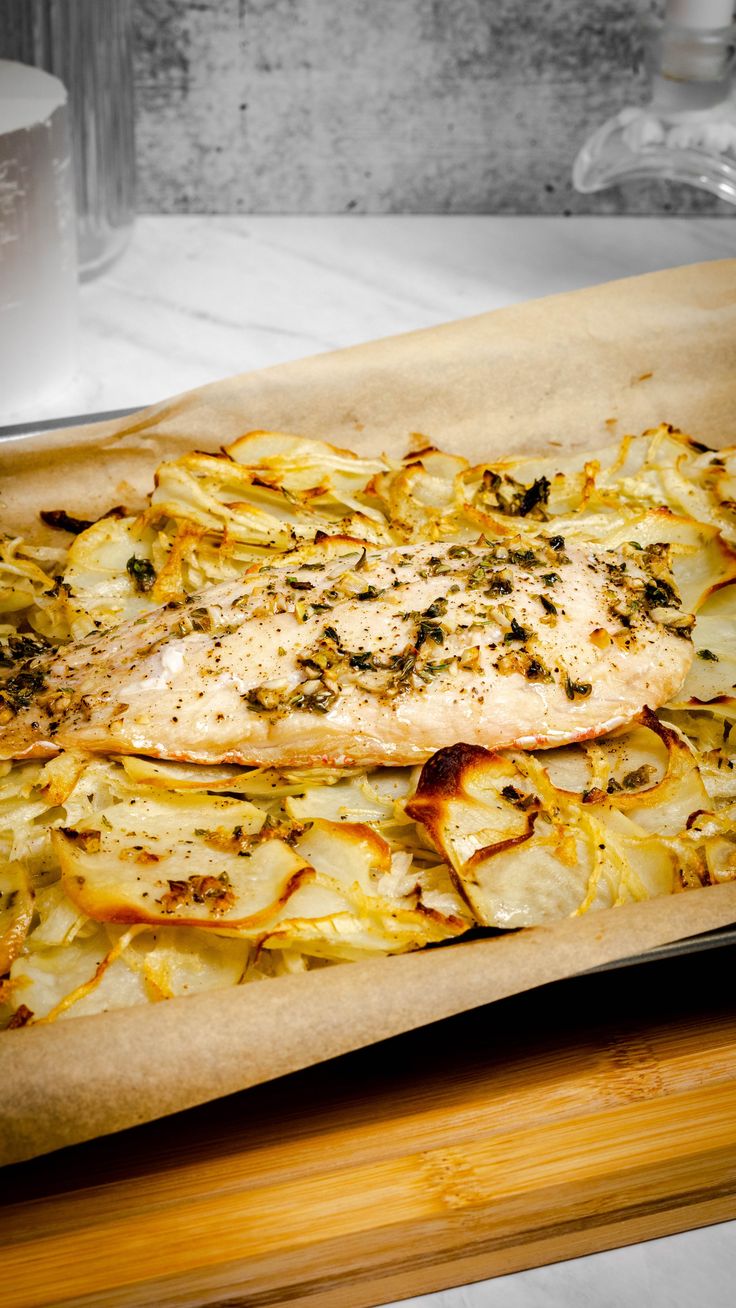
571	371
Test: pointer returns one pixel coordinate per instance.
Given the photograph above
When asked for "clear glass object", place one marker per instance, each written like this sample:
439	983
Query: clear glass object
686	132
87	44
38	265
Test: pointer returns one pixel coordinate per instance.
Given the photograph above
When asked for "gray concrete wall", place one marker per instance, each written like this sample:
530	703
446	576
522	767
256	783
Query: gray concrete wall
383	106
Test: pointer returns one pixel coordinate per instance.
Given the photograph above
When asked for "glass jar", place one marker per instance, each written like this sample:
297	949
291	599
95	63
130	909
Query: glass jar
88	45
38	265
686	130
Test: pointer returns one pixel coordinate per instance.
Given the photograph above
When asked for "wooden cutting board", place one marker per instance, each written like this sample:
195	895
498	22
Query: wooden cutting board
591	1114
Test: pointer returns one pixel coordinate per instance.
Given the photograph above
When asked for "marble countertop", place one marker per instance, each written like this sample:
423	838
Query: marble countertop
193	299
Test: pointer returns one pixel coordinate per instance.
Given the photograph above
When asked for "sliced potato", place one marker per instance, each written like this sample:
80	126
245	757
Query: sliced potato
524	851
91	968
260	783
325	923
359	797
714	743
16	911
712	673
300	463
350	853
99	589
25	573
276	502
666	807
184	776
649	772
559	871
152	879
79	977
470	800
58	778
359	900
195	860
187	961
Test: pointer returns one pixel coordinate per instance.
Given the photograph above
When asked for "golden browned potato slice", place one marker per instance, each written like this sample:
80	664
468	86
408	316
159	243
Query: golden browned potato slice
16	911
534	839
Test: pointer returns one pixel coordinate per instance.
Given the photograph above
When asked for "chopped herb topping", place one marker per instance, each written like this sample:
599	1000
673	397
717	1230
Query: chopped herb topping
518	798
638	778
364	661
20	691
315	701
427	630
17	648
498	585
523	663
707	655
214	892
477	577
577	689
534	495
523	558
437	566
200	619
512	497
142	573
269	699
516	632
660	593
437	608
319	660
264	699
403	665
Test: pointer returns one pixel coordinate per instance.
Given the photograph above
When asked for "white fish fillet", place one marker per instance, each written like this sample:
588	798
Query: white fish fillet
383	658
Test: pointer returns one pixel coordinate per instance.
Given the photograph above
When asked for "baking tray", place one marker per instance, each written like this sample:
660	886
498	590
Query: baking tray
694	945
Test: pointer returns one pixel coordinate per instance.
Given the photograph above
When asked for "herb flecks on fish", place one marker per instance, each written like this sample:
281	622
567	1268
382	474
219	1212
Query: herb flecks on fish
142	573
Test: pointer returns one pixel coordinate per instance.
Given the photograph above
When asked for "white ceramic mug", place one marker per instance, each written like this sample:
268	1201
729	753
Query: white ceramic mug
38	263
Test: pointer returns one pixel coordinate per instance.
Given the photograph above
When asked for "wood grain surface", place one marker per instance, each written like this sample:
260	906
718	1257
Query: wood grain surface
593	1113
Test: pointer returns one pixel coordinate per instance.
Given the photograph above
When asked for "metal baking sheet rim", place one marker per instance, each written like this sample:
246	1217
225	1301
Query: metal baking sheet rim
693	945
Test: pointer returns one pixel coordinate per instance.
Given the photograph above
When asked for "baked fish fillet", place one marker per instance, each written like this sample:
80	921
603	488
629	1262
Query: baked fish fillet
370	658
